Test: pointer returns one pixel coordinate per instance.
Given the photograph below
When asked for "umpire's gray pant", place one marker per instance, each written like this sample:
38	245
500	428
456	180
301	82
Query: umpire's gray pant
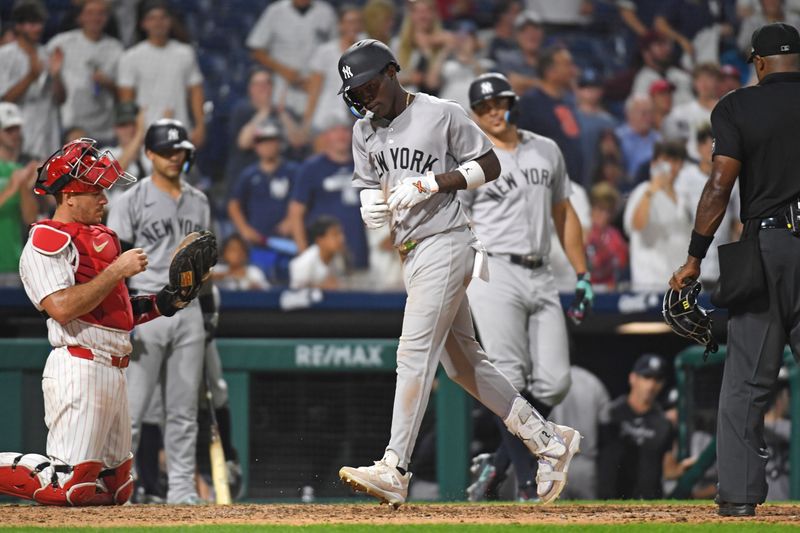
756	339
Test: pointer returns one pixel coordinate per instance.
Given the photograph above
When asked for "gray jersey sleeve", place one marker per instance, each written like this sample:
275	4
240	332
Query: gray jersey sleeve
364	175
120	217
562	187
466	141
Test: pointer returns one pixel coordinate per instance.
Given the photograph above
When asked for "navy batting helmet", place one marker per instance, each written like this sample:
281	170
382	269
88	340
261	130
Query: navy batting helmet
491	85
360	63
169	134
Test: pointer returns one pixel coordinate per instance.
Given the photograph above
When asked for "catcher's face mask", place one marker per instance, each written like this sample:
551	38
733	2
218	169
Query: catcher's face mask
79	167
688	319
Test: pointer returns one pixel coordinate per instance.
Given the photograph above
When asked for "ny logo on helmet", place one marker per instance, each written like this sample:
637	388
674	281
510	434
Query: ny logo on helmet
486	87
172	134
346	72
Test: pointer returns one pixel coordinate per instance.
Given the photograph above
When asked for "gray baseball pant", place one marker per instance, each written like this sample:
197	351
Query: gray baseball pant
437	326
169	351
521	323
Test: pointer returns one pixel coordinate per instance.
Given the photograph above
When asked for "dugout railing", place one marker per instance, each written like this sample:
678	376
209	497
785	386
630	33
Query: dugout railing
250	365
698	381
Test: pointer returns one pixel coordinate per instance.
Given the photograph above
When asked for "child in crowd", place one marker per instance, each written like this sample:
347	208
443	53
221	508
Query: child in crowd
606	247
314	268
236	273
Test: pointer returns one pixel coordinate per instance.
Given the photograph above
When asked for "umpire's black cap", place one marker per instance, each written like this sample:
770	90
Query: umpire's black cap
167	134
363	61
774	39
490	85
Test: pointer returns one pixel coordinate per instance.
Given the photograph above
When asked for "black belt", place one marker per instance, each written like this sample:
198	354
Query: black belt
778	222
527	261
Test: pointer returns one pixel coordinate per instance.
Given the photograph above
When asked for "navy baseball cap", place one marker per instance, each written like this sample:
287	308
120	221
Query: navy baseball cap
651	366
774	39
590	78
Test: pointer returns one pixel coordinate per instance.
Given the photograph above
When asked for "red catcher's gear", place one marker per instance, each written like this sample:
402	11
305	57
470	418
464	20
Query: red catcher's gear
115	484
79	167
33	477
97	248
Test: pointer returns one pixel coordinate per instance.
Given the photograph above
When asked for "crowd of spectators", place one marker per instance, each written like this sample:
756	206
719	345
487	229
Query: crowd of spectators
625	87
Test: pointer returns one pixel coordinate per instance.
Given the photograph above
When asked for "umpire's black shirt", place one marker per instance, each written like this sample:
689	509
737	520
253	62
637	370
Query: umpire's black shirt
760	126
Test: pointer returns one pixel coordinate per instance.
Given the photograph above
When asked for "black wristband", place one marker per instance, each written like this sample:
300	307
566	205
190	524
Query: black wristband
699	244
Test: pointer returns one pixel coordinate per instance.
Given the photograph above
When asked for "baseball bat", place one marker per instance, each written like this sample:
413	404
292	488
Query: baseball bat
219	470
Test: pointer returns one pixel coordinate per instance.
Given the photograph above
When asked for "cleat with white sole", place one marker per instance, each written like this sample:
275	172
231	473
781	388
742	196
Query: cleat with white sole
551	477
380	481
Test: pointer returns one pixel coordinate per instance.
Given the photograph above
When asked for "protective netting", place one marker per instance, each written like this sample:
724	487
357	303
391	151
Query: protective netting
305	426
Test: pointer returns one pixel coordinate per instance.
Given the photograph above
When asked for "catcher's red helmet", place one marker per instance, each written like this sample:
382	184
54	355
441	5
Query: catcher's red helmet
79	167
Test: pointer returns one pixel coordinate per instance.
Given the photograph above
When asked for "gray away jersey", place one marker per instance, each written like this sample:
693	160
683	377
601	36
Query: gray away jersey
512	215
149	218
431	134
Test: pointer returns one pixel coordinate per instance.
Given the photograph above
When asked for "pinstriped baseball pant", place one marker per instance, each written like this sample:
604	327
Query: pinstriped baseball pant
85	410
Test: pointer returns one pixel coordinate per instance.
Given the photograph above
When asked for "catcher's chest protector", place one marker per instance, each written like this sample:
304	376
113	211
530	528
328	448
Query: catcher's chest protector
97	247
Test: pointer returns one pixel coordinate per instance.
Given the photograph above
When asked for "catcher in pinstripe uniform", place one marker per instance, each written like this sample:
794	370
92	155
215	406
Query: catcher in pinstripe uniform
74	273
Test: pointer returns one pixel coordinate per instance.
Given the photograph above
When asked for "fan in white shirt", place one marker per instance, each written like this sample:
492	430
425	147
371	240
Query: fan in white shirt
657	219
314	268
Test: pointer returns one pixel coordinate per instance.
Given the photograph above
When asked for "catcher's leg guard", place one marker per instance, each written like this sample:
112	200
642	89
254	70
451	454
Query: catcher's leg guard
117	482
21	474
78	487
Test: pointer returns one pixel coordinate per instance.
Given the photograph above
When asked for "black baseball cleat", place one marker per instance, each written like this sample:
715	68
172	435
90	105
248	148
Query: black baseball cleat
736	509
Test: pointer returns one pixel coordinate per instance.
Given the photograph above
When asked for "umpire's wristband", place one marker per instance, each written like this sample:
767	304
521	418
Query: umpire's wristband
698	245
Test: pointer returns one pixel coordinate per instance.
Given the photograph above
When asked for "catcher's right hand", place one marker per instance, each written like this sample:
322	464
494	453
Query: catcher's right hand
190	267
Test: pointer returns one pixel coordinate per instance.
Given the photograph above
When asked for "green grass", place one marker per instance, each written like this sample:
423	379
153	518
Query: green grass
732	527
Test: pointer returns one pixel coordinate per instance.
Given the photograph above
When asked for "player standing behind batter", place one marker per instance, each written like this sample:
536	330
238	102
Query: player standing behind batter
518	314
411	156
155	215
74	272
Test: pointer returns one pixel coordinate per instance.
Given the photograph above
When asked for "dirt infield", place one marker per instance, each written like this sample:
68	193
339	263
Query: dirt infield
152	515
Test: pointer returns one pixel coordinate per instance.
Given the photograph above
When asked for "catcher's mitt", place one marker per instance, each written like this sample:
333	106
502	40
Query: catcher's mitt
190	267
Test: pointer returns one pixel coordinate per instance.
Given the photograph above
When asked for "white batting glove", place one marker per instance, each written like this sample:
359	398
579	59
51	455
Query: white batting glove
413	191
376	215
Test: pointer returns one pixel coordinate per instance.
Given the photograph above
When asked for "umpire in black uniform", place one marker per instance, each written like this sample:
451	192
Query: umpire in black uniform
757	138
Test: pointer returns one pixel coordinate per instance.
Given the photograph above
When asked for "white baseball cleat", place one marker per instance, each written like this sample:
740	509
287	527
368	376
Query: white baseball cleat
551	478
379	480
553	445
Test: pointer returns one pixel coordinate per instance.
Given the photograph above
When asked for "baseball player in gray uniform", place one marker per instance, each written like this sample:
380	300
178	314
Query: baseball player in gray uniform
412	153
155	215
518	314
